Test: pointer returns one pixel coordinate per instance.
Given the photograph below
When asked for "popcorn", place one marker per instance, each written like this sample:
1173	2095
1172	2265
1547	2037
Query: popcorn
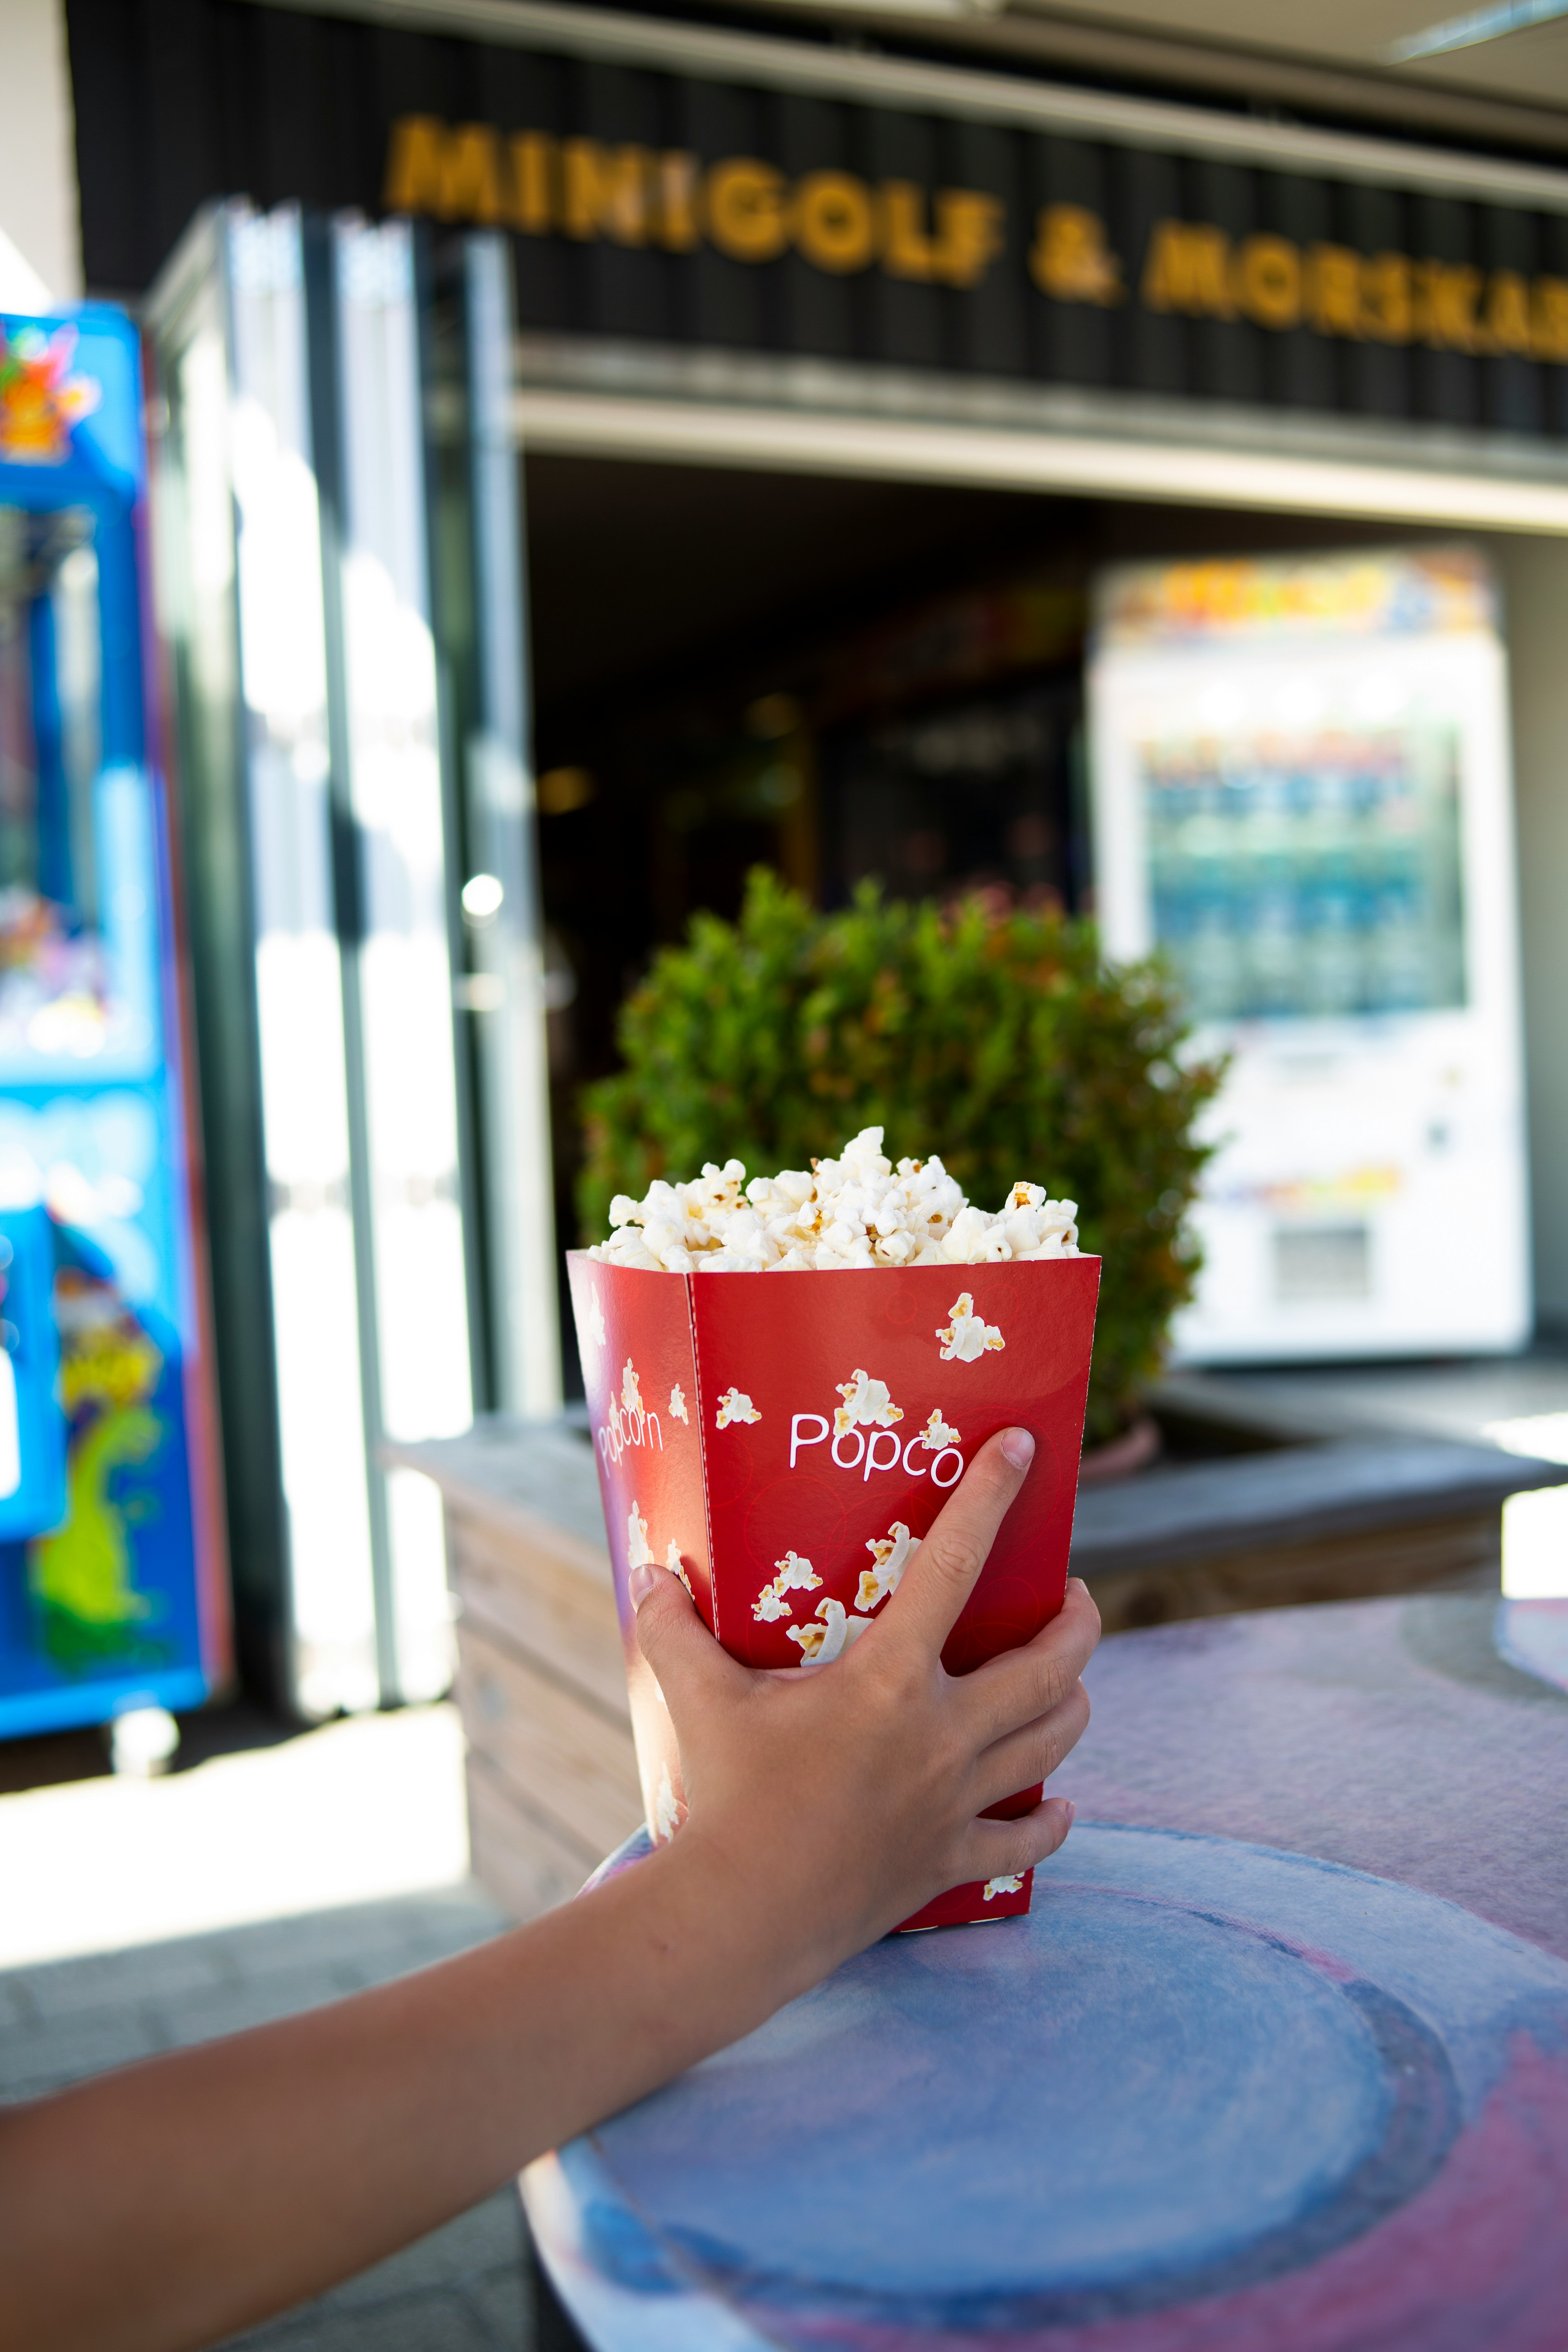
638	1553
820	1644
966	1337
867	1404
735	1406
677	1566
631	1393
890	1555
794	1575
856	1211
677	1405
937	1432
1009	1883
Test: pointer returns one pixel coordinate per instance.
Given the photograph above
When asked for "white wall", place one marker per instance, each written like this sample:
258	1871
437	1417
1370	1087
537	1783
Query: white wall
1535	580
40	233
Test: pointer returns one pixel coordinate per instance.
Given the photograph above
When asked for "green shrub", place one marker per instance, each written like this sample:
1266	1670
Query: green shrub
999	1042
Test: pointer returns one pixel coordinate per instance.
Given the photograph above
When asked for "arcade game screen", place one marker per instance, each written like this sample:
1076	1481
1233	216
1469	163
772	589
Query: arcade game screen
1316	876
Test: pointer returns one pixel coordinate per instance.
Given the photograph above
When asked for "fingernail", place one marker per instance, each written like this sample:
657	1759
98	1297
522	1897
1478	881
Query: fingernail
640	1583
1019	1448
1072	1813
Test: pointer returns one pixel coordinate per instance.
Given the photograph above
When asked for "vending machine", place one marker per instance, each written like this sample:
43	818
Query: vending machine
1302	800
112	1578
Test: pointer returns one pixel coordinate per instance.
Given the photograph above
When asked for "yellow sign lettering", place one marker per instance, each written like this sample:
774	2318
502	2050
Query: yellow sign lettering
534	167
605	192
1333	290
1267	282
1549	319
677	227
1446	297
1188	268
540	185
969	235
1070	260
834	223
744	205
1508	313
907	250
1388	303
455	175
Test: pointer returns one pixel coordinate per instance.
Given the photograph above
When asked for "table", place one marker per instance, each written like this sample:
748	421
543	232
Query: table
1278	2063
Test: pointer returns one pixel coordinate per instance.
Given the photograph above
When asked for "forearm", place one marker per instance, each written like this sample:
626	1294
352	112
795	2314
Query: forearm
172	2203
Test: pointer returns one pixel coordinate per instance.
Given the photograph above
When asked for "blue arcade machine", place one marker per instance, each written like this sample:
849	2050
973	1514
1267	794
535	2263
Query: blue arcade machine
112	1578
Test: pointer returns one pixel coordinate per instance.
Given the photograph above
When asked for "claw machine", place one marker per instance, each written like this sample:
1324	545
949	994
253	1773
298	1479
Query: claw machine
112	1578
1303	801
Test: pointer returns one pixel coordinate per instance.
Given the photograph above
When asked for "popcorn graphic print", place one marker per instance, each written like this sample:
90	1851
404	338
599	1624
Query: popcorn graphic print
890	1555
677	1566
677	1405
638	1553
594	1319
968	1338
937	1432
1009	1883
631	1393
794	1575
734	1406
820	1644
867	1405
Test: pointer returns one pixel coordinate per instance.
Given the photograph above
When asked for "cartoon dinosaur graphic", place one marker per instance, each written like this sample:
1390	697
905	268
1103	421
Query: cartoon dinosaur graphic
81	1575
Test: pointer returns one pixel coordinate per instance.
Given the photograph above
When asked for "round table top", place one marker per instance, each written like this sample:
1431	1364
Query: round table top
1278	2062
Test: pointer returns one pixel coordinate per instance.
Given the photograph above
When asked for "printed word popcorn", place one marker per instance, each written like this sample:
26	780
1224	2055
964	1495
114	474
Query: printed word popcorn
856	1211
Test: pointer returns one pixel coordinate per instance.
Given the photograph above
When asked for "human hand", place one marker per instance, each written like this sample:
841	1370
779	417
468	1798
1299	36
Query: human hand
834	1804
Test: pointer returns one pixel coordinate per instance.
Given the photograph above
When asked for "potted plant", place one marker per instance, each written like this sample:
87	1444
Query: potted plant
997	1039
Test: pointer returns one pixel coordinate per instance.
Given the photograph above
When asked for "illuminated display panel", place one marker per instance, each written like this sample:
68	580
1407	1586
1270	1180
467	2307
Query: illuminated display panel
1310	876
111	1588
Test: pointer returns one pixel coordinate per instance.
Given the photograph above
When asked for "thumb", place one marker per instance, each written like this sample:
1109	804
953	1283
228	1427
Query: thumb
686	1659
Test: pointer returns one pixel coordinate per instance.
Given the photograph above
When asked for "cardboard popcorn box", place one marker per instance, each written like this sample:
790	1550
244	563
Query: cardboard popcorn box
782	1441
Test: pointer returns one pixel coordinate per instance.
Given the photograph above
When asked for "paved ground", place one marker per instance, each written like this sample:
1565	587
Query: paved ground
460	2289
68	2009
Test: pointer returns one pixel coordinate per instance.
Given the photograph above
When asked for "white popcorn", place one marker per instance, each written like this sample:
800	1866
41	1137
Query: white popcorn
820	1644
677	1404
1009	1883
677	1566
595	1320
666	1814
937	1432
856	1211
638	1553
866	1405
796	1574
966	1338
734	1405
631	1393
890	1555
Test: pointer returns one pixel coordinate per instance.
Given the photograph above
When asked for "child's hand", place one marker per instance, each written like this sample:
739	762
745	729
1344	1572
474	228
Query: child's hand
216	2185
832	1805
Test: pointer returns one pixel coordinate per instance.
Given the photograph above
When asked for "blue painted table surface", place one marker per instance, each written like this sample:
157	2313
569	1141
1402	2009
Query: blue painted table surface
1278	2063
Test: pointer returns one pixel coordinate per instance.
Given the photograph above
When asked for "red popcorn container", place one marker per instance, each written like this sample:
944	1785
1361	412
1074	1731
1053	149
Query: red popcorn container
782	1441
